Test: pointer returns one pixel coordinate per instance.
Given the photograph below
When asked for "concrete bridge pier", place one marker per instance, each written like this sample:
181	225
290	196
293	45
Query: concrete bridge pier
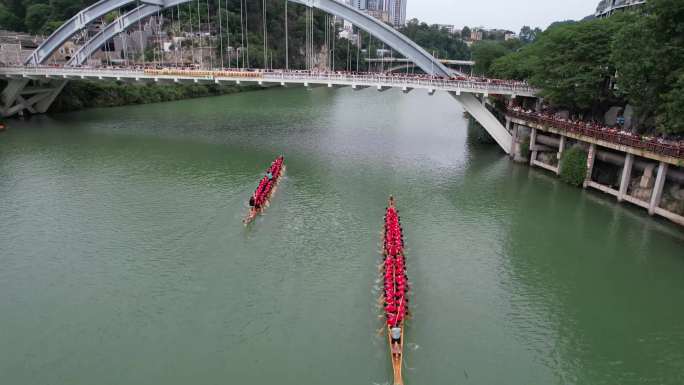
533	146
43	104
513	129
658	188
559	155
544	144
20	96
591	156
626	177
10	95
489	122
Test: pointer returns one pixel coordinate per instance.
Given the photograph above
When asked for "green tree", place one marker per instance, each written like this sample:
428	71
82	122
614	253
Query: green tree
15	7
436	40
9	20
634	53
36	17
465	33
485	53
573	66
111	16
51	26
669	119
649	57
573	166
518	65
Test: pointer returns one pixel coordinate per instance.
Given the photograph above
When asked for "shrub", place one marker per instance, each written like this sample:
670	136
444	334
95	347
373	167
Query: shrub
85	94
573	166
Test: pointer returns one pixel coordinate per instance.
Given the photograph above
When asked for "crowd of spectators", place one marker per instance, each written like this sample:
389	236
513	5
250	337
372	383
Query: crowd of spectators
456	80
616	134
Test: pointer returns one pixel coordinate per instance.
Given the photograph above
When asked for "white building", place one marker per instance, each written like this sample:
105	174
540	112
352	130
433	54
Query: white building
449	27
608	7
510	35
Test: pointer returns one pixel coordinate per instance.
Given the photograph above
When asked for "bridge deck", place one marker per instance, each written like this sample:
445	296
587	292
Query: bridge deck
379	81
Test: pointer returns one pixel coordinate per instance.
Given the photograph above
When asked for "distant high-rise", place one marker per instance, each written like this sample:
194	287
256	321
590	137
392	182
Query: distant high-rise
397	11
378	9
375	5
388	11
359	4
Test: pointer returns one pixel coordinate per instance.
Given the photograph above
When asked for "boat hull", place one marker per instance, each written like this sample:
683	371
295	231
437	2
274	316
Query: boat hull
396	355
253	213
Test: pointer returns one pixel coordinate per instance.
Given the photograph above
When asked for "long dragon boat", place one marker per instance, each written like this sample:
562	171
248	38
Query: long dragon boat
267	186
395	288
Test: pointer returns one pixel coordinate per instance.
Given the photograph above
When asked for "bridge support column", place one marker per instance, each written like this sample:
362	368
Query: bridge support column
514	139
626	177
17	97
45	103
10	95
658	188
486	119
533	146
590	164
561	149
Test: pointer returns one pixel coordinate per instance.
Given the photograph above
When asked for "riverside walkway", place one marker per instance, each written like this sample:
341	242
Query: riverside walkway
637	156
673	149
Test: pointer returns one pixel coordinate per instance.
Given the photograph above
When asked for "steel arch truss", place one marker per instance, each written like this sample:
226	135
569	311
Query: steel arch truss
71	27
117	26
380	30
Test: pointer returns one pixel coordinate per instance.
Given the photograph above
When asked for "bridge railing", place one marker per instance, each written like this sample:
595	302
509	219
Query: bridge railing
482	86
70	71
603	133
403	80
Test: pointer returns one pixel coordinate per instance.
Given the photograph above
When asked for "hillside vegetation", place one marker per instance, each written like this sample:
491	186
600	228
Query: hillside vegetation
585	67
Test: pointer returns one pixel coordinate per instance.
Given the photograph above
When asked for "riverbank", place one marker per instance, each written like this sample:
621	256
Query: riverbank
639	176
79	95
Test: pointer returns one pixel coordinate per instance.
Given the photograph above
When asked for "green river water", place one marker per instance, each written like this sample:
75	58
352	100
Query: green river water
123	259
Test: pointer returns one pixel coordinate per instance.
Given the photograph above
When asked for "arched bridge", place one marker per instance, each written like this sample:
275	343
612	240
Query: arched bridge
19	96
395	65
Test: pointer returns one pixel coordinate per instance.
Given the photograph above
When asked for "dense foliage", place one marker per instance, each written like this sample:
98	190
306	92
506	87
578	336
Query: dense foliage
38	16
83	94
486	52
436	40
573	165
586	67
649	57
